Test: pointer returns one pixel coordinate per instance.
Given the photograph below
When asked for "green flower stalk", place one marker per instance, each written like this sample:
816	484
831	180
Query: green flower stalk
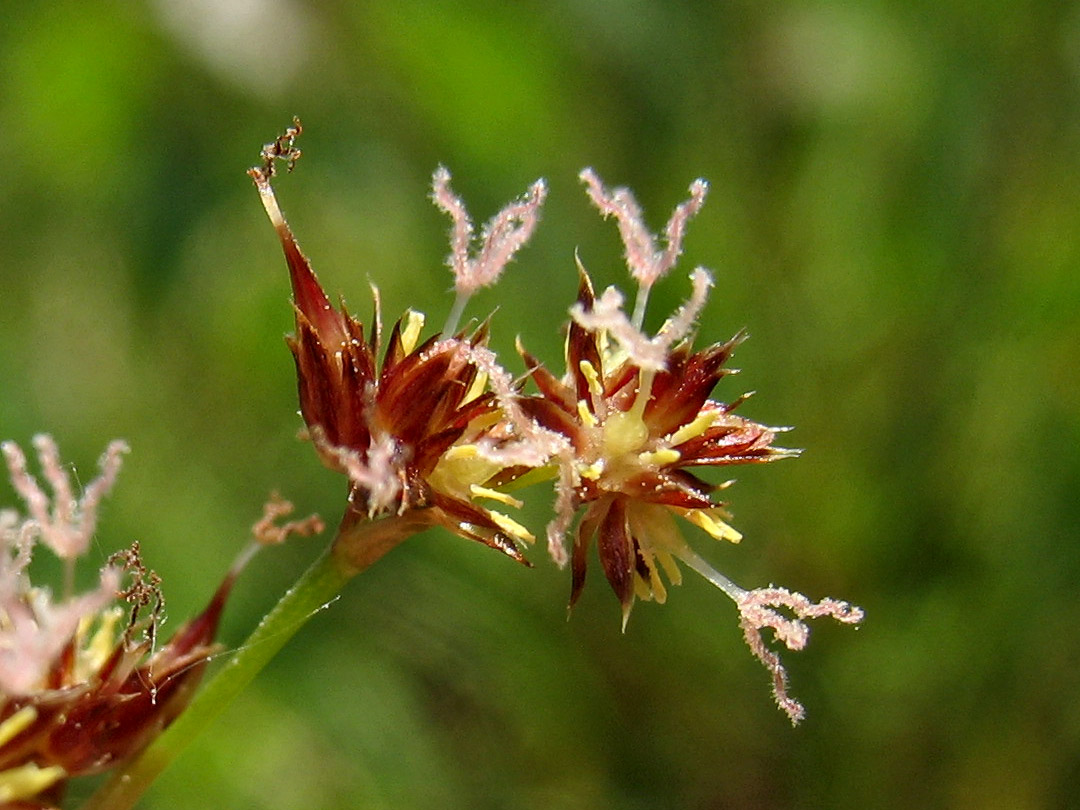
404	420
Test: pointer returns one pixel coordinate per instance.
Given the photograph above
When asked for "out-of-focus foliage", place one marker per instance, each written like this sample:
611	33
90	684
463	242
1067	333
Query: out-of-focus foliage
894	215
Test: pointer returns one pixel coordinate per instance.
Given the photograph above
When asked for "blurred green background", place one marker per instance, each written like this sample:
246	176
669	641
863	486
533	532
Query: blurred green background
894	210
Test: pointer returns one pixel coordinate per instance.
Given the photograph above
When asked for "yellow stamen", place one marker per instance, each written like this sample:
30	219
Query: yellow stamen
585	414
642	589
511	526
653	587
484	421
102	643
461	451
414	323
701	423
659	458
27	781
460	468
592	377
15	724
593	471
479	383
493	494
717	528
643	393
671	568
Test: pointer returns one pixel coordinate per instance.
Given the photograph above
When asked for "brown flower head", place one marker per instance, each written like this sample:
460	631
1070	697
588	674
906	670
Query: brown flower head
405	430
83	681
638	415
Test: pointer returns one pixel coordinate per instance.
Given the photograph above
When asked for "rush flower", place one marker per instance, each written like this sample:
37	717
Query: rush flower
639	419
434	427
406	420
83	682
637	412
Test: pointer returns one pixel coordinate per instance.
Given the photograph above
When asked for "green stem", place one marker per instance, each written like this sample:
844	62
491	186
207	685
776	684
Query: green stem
353	550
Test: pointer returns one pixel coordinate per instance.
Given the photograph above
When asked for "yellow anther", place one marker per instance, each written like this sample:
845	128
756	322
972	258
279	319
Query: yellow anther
592	377
102	643
717	528
593	471
585	414
479	383
27	781
659	458
701	423
604	344
15	724
494	495
414	323
511	526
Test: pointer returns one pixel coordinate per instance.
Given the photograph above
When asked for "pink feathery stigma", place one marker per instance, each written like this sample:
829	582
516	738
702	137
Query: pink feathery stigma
37	631
647	264
109	464
565	507
16	545
676	227
70	525
648	353
607	314
268	532
679	325
757	611
37	503
503	235
378	472
462	228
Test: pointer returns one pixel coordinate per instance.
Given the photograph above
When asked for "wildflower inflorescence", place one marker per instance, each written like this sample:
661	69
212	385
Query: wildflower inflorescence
84	683
428	431
438	432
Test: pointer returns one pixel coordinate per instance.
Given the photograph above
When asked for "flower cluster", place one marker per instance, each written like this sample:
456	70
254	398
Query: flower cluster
438	429
84	683
403	421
